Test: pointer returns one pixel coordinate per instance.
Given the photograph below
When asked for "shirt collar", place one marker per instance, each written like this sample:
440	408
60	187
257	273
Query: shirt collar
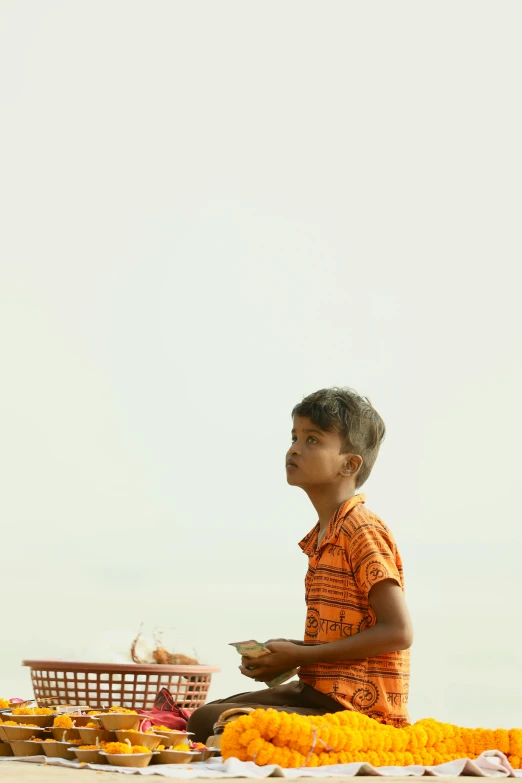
309	542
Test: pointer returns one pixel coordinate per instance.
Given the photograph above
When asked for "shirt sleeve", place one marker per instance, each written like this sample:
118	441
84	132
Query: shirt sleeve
373	556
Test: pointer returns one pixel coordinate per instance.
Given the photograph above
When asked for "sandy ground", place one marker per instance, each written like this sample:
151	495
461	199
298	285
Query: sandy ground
36	773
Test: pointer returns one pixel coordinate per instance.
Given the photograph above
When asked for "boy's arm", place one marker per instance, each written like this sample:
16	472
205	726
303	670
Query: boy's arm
392	632
292	641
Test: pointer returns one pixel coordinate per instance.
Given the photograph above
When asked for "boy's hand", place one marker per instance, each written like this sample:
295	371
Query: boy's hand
283	657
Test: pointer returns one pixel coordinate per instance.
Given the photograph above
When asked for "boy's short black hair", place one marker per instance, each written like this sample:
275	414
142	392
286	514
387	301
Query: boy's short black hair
355	419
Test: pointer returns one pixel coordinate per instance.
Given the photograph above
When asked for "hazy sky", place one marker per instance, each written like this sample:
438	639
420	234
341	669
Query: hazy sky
209	210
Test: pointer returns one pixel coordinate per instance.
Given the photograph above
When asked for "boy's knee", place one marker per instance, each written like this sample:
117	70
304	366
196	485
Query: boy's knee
201	722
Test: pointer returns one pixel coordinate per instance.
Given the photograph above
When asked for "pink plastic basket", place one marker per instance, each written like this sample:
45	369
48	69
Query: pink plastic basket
128	684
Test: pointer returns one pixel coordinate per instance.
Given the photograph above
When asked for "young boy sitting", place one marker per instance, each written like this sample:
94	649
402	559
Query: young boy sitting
355	651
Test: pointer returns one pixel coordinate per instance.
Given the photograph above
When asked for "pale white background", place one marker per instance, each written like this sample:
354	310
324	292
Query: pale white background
208	210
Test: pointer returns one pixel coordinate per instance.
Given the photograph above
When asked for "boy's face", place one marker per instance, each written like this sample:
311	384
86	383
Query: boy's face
314	458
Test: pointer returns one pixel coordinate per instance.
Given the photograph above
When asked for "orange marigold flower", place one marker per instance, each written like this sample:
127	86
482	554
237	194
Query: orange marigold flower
125	747
118	747
63	722
164	728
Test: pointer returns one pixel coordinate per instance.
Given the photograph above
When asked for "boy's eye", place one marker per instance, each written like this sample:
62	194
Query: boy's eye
294	438
311	439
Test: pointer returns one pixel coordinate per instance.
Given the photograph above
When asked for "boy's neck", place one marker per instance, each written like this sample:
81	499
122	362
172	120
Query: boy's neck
327	503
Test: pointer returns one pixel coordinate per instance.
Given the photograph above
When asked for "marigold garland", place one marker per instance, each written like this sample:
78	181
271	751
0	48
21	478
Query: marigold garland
290	740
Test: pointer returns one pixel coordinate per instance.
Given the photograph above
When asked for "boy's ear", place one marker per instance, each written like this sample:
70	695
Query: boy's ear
351	465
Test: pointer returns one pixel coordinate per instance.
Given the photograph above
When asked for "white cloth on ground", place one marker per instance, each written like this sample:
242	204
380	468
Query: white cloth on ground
491	763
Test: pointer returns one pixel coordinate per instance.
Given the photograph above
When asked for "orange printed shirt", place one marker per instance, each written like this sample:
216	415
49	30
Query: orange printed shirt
357	551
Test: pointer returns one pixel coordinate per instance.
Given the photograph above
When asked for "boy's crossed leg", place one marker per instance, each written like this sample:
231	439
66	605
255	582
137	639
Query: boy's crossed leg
292	697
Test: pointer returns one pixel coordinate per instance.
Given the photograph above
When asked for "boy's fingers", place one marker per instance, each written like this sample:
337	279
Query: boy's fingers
259	675
248	672
252	661
246	661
